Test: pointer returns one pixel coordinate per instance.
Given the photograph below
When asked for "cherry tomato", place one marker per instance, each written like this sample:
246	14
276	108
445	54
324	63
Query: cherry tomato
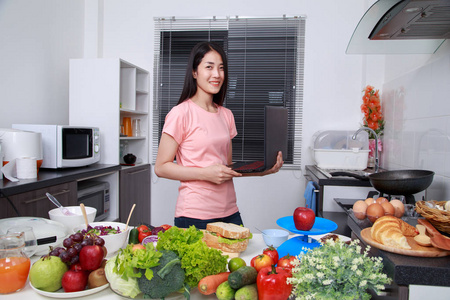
285	262
260	261
272	252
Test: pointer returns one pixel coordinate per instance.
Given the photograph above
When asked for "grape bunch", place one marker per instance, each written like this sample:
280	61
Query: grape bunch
73	245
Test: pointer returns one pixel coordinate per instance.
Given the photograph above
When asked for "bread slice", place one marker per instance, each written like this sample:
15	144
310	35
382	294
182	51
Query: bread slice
229	230
234	247
392	231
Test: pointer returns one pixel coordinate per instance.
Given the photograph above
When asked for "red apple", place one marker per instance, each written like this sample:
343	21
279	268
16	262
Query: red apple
74	281
304	218
91	257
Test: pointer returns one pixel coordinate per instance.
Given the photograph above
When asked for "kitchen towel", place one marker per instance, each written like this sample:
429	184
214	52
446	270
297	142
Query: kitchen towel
26	167
311	195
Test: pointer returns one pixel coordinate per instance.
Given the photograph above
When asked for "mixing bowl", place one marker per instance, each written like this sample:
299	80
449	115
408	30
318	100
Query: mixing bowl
72	221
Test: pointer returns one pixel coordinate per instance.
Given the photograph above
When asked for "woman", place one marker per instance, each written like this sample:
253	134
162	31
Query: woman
198	131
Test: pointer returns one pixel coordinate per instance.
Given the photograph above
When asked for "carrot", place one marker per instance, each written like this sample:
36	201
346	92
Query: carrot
208	285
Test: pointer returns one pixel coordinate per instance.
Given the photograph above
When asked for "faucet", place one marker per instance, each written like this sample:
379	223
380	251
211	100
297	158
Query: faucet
376	144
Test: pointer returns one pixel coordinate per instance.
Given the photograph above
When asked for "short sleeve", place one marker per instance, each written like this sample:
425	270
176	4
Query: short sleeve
174	124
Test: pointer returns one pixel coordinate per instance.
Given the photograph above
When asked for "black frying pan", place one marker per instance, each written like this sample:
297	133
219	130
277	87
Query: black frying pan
402	182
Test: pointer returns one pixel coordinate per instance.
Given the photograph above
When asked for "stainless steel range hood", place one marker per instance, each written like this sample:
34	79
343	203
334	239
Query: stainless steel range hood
402	27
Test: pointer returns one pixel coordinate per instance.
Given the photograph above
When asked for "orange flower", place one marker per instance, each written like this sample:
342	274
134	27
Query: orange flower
371	108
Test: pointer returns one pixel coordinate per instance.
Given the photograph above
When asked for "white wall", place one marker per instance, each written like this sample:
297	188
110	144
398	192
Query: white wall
37	39
332	95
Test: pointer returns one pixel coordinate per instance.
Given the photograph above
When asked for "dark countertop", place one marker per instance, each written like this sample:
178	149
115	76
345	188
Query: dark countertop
321	179
49	177
406	270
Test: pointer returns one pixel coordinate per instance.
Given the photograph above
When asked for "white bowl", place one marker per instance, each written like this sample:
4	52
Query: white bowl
275	237
72	221
113	242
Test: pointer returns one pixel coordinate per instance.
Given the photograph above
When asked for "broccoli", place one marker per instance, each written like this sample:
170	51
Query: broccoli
168	277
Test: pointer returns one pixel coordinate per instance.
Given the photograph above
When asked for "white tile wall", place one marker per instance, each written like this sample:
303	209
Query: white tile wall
417	131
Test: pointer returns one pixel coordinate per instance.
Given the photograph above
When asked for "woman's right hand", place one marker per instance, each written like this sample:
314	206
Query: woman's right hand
218	174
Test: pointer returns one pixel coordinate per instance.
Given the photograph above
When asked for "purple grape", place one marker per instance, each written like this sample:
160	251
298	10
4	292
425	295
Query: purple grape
65	257
72	252
77	237
68	242
54	253
74	260
78	247
99	241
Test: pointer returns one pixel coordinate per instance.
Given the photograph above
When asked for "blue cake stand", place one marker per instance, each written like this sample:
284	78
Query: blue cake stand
295	245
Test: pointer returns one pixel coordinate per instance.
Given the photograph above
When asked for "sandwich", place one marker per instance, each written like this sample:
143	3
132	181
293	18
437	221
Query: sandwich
227	237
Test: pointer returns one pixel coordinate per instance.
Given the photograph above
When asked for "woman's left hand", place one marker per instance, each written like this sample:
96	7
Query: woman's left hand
277	166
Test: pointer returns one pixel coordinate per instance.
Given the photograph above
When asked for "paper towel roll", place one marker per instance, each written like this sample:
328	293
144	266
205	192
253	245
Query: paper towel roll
26	167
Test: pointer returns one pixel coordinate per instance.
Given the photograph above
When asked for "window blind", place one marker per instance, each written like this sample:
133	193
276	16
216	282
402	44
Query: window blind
266	59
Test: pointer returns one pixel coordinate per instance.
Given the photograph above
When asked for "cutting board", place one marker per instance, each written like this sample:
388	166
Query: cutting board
416	249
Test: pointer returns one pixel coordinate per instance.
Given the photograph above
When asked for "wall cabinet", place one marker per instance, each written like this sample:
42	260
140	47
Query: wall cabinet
36	204
135	189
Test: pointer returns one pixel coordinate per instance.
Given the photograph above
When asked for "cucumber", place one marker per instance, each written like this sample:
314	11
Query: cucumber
243	276
225	292
133	238
247	292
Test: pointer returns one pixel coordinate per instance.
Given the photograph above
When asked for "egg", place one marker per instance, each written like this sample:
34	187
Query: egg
381	200
399	207
359	209
389	209
374	211
369	201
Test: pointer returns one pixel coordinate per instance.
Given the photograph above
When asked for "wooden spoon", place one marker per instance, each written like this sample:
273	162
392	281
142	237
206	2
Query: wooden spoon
129	216
422	239
83	211
437	239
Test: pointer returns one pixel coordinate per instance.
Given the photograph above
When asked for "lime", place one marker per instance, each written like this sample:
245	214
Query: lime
235	263
47	272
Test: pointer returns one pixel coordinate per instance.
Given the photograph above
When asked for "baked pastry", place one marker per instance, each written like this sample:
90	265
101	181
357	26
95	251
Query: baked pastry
392	231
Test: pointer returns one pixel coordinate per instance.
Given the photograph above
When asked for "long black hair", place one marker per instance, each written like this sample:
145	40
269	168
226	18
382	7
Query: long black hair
196	56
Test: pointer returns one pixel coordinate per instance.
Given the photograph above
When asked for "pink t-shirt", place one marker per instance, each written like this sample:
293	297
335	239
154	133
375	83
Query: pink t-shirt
203	140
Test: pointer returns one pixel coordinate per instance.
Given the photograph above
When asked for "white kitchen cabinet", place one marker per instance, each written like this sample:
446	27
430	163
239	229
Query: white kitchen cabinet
103	91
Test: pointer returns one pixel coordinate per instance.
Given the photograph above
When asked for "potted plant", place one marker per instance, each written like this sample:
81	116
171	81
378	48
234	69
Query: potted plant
337	270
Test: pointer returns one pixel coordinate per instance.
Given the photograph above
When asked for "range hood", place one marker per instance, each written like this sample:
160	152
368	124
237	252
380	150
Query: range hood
402	27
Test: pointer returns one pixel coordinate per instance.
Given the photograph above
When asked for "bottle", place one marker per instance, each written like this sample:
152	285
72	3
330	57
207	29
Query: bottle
14	264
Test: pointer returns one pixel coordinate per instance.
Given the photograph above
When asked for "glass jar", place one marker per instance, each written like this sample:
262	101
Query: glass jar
14	264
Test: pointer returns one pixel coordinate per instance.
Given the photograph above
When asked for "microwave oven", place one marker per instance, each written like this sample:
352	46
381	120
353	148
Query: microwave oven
95	194
66	146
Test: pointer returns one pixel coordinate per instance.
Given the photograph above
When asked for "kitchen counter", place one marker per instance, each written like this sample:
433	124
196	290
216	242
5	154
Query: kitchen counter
322	179
49	177
407	270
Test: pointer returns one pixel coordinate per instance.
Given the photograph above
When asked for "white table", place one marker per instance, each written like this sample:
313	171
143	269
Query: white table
255	247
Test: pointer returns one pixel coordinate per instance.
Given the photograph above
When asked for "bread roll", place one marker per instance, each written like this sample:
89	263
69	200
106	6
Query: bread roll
392	231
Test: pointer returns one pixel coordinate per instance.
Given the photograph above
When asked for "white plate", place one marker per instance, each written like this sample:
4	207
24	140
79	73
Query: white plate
173	296
61	294
42	228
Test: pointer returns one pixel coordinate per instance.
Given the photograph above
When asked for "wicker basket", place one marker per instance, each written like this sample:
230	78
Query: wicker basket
439	218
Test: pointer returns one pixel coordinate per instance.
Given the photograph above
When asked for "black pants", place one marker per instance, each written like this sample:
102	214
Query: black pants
184	222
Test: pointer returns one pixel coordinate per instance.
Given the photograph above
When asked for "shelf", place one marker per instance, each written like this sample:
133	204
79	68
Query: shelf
132	138
133	112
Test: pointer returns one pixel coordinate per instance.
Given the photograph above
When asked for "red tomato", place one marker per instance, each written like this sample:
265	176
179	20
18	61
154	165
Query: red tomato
260	261
143	232
166	226
285	262
272	252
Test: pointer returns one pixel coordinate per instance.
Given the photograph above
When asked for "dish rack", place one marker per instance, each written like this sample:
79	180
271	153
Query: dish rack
439	218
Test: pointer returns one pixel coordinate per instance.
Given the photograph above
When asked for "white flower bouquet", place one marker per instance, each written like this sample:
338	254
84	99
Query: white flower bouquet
337	270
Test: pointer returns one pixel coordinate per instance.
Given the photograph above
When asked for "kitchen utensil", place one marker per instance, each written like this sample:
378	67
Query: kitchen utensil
129	216
437	239
416	249
83	211
129	158
74	220
275	237
402	182
56	202
127	126
422	239
113	241
28	236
